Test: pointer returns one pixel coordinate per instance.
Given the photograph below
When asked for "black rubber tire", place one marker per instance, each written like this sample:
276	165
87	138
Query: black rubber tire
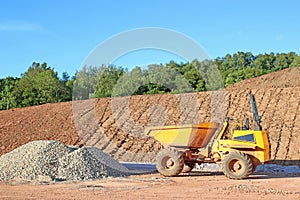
237	165
253	169
188	167
255	163
169	162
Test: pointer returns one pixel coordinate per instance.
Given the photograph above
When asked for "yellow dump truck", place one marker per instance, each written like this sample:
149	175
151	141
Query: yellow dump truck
186	145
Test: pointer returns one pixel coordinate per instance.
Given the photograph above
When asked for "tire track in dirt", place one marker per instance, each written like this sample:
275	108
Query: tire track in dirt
228	102
274	125
245	107
264	100
139	116
85	119
293	148
234	103
235	112
259	97
218	106
205	107
118	140
285	119
156	112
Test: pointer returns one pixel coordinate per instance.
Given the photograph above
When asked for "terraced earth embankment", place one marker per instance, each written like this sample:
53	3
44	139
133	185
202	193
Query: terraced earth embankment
116	125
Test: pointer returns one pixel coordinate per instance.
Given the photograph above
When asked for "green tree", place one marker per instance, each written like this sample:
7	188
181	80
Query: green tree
107	79
85	82
295	62
190	73
7	98
155	79
40	85
282	62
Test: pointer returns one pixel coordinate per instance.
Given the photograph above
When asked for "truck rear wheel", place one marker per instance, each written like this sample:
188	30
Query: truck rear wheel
169	162
237	165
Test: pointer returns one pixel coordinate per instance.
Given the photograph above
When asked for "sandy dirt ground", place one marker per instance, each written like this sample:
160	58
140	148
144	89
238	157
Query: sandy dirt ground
198	185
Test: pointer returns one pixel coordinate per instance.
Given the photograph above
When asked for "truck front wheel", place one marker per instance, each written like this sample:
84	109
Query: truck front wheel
169	162
237	165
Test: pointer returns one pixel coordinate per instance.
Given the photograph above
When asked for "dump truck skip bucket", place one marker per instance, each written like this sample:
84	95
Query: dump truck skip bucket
193	136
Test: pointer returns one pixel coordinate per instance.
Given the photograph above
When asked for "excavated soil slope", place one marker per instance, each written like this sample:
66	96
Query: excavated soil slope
116	125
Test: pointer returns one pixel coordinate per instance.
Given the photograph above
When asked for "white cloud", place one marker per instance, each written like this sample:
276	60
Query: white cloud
18	26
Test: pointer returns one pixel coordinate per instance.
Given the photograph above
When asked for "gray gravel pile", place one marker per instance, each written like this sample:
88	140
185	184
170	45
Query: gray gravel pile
113	167
59	162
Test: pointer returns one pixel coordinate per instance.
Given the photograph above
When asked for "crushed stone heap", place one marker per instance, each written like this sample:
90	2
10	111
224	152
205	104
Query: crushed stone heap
59	162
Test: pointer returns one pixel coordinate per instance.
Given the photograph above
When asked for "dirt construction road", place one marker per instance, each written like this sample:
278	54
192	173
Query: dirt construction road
199	185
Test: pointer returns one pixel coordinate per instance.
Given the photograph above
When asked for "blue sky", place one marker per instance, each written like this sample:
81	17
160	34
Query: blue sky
63	33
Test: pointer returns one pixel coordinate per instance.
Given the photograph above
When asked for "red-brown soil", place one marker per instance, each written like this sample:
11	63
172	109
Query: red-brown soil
282	79
154	186
116	125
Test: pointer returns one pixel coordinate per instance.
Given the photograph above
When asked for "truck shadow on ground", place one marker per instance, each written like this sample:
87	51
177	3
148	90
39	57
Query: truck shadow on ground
260	175
274	169
285	162
254	176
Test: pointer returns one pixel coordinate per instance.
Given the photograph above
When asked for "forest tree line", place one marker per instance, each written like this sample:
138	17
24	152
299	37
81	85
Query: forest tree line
40	84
